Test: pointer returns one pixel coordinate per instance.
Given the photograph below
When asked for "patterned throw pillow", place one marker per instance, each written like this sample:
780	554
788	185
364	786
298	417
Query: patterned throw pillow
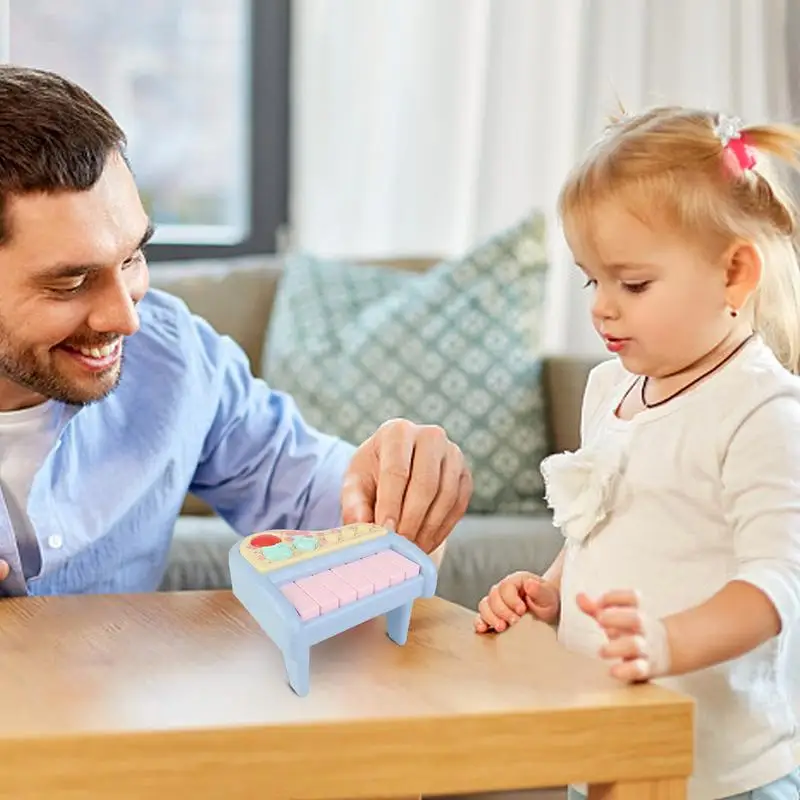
457	346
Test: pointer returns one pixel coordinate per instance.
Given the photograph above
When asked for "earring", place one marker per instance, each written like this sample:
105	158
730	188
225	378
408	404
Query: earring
733	312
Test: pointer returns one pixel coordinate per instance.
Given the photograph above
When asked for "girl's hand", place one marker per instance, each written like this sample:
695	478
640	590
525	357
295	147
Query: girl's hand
636	641
509	600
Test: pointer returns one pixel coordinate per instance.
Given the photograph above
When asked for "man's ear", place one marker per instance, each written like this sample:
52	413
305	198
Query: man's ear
743	264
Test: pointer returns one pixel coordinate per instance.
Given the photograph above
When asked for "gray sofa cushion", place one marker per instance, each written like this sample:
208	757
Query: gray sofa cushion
199	555
484	549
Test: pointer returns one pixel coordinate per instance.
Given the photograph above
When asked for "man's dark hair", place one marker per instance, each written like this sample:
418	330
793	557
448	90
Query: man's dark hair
54	136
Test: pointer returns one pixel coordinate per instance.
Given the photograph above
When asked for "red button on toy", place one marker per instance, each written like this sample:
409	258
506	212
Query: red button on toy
264	540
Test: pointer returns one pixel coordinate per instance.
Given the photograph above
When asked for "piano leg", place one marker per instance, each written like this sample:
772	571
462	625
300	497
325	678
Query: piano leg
297	658
398	621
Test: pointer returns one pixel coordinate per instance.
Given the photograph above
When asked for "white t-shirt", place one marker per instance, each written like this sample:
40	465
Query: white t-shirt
676	503
26	437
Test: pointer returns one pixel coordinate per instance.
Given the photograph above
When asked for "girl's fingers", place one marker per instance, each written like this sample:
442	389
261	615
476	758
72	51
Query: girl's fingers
480	624
625	647
587	605
500	608
490	619
626	619
634	671
619	597
509	596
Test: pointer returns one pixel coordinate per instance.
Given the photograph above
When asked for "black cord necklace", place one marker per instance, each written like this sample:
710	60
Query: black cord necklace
695	381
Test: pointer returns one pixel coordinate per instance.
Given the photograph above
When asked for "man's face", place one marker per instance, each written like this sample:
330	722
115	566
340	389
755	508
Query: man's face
70	277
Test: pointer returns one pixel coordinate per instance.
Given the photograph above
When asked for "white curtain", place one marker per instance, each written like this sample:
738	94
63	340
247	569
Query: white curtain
5	31
421	126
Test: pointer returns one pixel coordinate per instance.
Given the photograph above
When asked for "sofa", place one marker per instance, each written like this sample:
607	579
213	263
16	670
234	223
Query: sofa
236	296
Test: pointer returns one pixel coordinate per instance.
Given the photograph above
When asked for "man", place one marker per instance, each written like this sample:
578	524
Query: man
114	401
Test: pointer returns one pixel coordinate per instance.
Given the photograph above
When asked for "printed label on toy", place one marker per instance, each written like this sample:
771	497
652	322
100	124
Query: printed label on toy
270	550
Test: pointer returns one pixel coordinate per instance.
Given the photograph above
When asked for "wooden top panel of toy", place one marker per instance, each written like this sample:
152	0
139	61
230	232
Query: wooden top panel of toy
271	550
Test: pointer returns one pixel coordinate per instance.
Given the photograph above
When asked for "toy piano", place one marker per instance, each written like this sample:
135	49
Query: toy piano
305	586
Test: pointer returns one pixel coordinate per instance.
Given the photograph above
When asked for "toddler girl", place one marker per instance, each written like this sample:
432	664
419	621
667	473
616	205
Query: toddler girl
681	509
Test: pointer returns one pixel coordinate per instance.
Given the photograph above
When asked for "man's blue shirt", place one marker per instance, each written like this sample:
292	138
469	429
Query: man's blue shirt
187	416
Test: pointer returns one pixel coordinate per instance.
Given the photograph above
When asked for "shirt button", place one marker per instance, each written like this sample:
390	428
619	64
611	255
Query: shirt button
55	541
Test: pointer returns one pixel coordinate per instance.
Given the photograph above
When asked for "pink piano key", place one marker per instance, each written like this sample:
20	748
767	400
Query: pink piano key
410	568
394	568
343	590
383	575
314	586
356	576
304	605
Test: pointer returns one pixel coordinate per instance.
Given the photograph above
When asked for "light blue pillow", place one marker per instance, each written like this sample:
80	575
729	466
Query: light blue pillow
459	346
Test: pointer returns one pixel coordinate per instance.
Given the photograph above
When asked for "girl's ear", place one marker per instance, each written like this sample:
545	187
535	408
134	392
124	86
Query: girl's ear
743	264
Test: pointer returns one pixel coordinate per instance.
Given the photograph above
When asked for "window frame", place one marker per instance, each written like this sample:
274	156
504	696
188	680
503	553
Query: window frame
268	141
267	132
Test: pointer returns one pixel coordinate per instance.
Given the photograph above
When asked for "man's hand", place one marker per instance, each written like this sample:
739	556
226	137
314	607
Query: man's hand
4	570
409	478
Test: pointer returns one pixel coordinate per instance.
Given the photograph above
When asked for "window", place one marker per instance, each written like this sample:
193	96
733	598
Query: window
188	80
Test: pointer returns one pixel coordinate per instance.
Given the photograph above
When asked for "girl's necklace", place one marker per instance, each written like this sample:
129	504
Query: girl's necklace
692	383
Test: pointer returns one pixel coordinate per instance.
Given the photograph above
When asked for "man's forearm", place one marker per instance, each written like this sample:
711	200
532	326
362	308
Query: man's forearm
733	622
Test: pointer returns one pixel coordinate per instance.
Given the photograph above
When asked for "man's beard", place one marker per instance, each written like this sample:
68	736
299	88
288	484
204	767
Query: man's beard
24	368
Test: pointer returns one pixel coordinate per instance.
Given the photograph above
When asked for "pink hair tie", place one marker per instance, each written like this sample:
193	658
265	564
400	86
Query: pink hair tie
737	155
744	154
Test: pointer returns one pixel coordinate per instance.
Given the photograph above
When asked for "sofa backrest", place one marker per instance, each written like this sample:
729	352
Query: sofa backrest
236	296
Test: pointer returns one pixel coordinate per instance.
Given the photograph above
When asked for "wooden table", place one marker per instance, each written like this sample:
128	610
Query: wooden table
181	696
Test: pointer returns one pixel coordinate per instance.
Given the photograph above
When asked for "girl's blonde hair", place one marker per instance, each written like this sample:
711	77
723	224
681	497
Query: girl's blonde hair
670	165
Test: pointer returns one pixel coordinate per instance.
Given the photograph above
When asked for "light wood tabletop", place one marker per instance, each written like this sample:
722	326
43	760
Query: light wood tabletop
182	696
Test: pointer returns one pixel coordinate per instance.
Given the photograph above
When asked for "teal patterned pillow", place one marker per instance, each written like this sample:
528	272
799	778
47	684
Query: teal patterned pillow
458	346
